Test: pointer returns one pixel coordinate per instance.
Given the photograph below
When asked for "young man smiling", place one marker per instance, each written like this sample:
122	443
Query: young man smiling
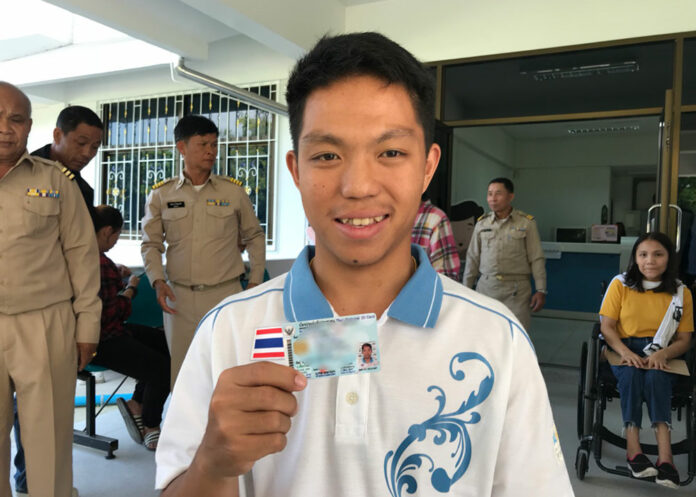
473	419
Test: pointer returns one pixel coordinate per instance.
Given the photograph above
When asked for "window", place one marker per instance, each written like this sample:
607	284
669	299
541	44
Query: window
139	150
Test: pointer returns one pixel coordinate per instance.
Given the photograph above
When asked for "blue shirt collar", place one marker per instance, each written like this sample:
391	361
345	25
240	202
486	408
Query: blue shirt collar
418	302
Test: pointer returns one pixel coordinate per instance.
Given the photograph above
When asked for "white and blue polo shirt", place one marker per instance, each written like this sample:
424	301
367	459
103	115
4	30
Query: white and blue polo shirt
459	406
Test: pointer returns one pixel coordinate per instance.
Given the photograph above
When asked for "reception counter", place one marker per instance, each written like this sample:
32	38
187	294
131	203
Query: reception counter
576	273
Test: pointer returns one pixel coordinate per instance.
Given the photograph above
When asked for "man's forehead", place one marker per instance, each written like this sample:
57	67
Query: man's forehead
14	101
85	130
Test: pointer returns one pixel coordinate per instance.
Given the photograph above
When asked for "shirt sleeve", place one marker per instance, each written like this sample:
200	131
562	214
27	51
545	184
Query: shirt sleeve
115	307
443	250
254	238
187	416
152	247
530	461
535	256
79	245
687	320
473	258
611	304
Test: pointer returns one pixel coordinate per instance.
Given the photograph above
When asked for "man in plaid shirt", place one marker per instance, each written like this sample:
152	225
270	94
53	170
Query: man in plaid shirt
433	232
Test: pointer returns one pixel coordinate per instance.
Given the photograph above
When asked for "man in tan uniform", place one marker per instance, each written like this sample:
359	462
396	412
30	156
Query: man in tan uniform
49	307
202	217
505	248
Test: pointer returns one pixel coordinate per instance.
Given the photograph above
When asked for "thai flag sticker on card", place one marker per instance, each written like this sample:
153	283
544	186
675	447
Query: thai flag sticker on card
269	344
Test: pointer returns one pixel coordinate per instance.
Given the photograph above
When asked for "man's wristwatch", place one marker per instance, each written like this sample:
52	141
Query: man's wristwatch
545	292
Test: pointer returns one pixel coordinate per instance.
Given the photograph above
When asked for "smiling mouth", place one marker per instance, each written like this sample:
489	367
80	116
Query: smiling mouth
361	222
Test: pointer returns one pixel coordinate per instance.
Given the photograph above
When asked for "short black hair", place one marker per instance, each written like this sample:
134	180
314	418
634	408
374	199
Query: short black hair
360	54
192	125
505	182
465	210
634	278
105	215
71	117
366	345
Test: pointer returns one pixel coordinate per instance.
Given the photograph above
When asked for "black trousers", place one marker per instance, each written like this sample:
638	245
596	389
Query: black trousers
145	357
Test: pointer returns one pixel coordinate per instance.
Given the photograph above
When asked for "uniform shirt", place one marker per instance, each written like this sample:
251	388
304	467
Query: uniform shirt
506	247
433	232
48	249
639	314
115	307
86	190
459	385
202	230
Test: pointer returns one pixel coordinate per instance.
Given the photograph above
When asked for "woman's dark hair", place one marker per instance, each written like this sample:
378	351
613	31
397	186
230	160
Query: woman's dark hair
105	215
634	278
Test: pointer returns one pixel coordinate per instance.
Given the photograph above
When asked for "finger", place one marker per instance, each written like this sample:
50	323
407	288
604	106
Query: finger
263	422
268	374
258	399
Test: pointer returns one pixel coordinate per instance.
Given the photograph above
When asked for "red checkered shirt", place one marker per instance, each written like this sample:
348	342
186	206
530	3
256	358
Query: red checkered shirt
433	231
115	307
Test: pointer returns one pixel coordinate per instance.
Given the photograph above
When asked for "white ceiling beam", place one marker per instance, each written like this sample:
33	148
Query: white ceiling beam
288	27
148	21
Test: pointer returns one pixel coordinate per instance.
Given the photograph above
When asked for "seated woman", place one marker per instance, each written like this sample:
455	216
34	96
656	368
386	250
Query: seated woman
639	304
137	351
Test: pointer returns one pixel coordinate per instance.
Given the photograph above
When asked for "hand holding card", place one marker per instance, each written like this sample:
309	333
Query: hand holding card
248	418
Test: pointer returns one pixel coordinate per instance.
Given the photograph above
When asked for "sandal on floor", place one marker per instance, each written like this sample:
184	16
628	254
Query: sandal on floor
151	439
139	422
129	419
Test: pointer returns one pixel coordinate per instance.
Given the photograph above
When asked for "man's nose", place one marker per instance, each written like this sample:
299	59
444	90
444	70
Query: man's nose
358	179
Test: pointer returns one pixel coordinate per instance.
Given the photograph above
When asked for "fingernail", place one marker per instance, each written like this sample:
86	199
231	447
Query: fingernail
300	380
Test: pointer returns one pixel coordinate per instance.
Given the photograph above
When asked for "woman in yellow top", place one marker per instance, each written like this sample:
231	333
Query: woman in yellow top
633	310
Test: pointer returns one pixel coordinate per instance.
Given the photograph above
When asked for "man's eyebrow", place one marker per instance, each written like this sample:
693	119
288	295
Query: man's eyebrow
395	133
321	138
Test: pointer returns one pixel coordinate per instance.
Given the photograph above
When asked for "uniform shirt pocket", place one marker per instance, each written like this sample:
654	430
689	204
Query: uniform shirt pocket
221	221
176	222
40	213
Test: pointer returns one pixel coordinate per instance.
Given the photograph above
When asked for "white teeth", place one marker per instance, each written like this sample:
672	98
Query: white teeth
361	221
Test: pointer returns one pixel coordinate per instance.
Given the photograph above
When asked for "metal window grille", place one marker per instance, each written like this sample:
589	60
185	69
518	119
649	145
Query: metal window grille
138	149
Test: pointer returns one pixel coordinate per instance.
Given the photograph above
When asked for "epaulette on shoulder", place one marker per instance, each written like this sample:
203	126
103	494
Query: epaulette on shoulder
524	214
234	180
163	182
480	217
67	172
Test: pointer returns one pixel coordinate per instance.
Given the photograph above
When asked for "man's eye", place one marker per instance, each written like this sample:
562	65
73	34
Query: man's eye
392	154
326	157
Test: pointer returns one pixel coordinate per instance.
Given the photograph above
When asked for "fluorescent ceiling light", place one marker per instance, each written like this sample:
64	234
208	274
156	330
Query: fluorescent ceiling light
582	71
604	130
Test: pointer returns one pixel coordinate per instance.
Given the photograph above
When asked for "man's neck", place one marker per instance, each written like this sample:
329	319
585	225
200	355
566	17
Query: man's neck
504	214
197	177
6	166
364	289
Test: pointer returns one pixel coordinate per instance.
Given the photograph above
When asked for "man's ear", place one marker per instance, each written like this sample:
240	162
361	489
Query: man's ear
431	162
291	162
57	135
181	147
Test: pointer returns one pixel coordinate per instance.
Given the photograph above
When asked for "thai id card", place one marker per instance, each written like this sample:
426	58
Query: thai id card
324	347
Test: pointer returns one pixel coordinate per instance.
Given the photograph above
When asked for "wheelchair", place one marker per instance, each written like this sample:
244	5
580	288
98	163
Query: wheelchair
598	386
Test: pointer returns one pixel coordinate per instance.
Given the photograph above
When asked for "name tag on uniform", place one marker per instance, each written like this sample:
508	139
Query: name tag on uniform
322	348
174	205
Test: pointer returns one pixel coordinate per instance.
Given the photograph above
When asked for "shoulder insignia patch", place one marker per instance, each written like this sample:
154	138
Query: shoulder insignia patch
161	183
481	217
529	216
67	172
235	181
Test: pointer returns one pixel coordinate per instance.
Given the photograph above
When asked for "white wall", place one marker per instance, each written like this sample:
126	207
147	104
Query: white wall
563	197
479	155
238	60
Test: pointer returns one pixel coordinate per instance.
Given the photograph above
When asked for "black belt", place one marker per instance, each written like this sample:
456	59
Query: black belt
202	288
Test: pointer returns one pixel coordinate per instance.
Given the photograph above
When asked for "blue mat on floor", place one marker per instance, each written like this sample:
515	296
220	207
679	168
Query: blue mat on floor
100	399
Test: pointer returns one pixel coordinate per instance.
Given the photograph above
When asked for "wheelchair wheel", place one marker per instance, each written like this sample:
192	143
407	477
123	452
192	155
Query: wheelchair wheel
582	459
581	391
